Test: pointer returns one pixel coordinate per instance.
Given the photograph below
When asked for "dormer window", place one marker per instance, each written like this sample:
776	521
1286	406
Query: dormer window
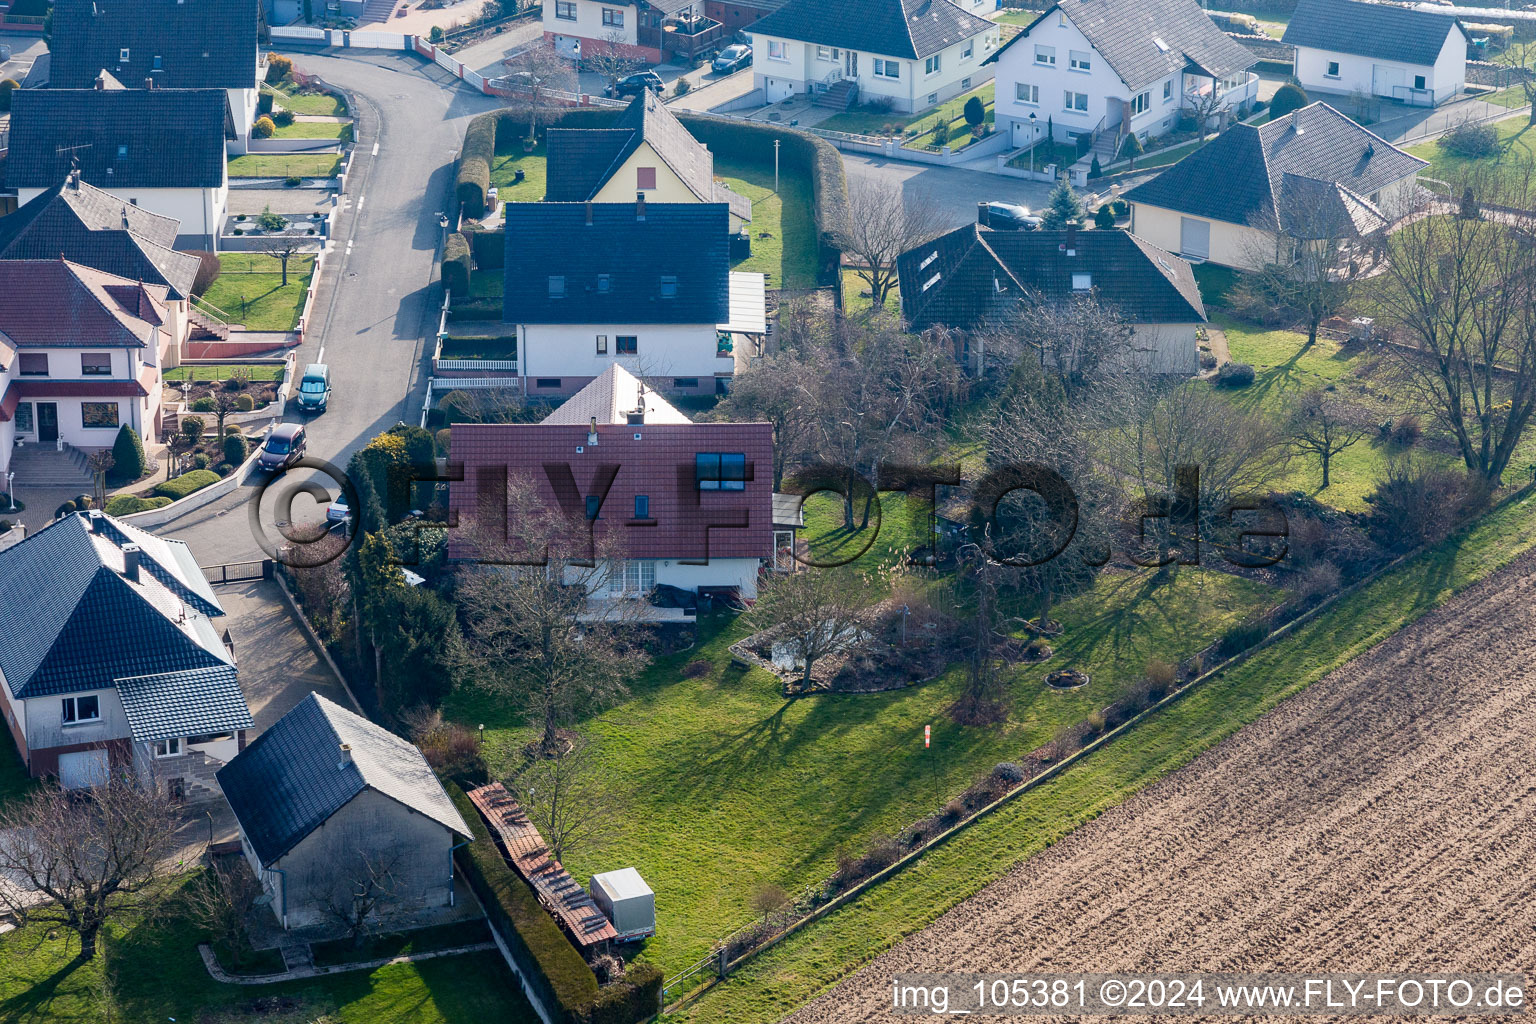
557	286
603	282
156	64
1082	282
668	287
594	504
122	152
122	55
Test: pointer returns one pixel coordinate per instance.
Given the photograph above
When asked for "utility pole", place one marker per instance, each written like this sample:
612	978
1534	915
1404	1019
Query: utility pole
775	166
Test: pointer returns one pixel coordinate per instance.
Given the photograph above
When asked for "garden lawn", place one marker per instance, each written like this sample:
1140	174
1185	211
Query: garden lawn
788	254
953	115
285	165
14	781
855	301
341	130
815	958
156	975
321	104
196	373
250	291
1517	137
728	785
505	164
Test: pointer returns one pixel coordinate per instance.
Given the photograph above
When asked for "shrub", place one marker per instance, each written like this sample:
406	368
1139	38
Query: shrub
269	221
192	428
456	264
201	461
682	87
975	111
1009	774
292	181
245	403
128	504
7	86
232	428
475	158
1317	581
278	67
1234	375
204	404
64	510
1406	430
127	455
208	270
436	35
1104	218
223	469
548	961
235	450
1418	503
84	501
489	248
264	103
282	118
1160	676
941	132
181	486
1242	637
1096	722
1131	148
263	128
1095	170
1287	98
452	749
883	851
1471	141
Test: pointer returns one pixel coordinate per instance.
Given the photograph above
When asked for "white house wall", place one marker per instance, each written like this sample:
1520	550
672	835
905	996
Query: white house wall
664	350
46	728
588	25
802	70
200	210
1447	76
1165	348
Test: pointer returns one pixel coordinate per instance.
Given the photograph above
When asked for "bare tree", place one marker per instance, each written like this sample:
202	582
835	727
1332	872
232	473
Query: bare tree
221	903
526	630
814	615
489	405
100	462
1084	344
1525	58
92	858
1202	108
613	58
360	887
283	248
532	75
782	389
566	796
882	224
1461	291
1324	427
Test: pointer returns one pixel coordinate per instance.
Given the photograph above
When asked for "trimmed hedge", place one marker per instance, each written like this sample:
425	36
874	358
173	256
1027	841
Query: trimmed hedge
489	248
475	165
551	964
181	486
456	265
128	504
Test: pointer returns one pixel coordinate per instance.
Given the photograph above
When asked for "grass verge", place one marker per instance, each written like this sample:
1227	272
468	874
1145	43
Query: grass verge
788	254
321	104
285	165
222	372
250	289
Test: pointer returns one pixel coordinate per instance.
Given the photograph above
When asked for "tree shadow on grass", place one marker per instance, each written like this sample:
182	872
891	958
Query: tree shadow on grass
43	1002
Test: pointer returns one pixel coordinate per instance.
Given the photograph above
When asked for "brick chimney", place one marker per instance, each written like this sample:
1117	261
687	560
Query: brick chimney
589	213
639	206
149	83
131	562
1071	247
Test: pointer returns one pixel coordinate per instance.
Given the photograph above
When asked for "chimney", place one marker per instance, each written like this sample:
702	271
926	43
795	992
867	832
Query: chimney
592	431
1072	238
639	206
589	213
100	84
98	520
131	562
983	215
149	83
74	176
1296	123
346	757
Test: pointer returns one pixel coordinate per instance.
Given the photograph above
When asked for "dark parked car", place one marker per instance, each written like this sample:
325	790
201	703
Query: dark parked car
1011	217
283	447
732	58
633	85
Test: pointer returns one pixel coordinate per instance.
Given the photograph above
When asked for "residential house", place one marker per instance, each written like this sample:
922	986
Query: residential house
161	149
1404	53
174	44
329	804
735	15
644	285
691	504
1236	199
652	31
646	152
974	278
111	661
83	352
910	54
1109	68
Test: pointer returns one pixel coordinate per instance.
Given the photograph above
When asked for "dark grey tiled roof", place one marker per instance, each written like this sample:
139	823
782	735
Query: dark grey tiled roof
1310	208
1125	34
84	224
687	241
982	274
193	702
581	159
1236	177
82	624
889	28
122	138
1376	30
200	44
292	778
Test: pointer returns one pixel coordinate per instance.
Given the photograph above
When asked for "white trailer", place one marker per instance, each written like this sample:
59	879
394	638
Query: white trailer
628	902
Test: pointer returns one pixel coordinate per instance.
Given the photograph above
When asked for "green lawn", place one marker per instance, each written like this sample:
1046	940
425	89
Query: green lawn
855	301
809	962
285	165
223	372
486	284
1516	136
1017	17
1045	152
341	130
728	785
788	254
156	975
14	781
322	104
863	121
249	289
508	160
1215	281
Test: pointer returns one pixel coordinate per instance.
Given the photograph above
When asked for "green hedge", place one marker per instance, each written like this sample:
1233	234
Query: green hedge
181	486
553	967
475	165
456	264
128	504
489	248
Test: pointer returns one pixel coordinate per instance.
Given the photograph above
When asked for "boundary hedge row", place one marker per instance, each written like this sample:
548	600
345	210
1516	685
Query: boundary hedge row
799	153
181	486
456	265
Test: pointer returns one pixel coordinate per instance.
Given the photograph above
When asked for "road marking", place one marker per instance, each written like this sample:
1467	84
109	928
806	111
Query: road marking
320	357
360	201
375	149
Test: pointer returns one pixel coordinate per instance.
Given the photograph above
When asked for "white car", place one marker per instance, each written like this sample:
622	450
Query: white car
338	510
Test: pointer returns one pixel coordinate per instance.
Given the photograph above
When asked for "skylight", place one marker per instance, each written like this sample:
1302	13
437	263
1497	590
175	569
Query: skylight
1158	41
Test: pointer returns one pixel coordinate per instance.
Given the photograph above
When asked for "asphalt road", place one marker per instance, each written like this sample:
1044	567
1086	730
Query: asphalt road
378	293
954	191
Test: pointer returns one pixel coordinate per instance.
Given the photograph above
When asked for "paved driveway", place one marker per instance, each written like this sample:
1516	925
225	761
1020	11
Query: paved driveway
954	190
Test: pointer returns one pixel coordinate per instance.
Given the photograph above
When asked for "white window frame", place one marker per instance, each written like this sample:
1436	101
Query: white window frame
1078	60
565	10
1045	55
1332	70
933	65
1027	93
1082	282
170	747
1141	103
73	717
779	54
828	53
969	51
122	55
887	68
1068	101
1168	91
633	577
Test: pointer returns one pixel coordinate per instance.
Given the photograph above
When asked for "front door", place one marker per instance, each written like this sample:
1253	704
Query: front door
47	421
1386	80
852	64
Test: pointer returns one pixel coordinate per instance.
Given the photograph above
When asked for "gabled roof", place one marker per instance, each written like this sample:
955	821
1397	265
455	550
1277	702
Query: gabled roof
1311	208
1126	33
83	623
58	302
581	160
294	777
192	702
634	250
121	138
610	397
1377	30
974	274
1237	176
80	222
200	44
888	28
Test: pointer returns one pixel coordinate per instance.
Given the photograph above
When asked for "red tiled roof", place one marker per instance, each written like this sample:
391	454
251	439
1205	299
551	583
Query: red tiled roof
80	388
8	403
685	523
57	302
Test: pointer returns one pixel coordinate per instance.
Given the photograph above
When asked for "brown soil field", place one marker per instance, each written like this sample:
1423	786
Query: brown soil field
1382	820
